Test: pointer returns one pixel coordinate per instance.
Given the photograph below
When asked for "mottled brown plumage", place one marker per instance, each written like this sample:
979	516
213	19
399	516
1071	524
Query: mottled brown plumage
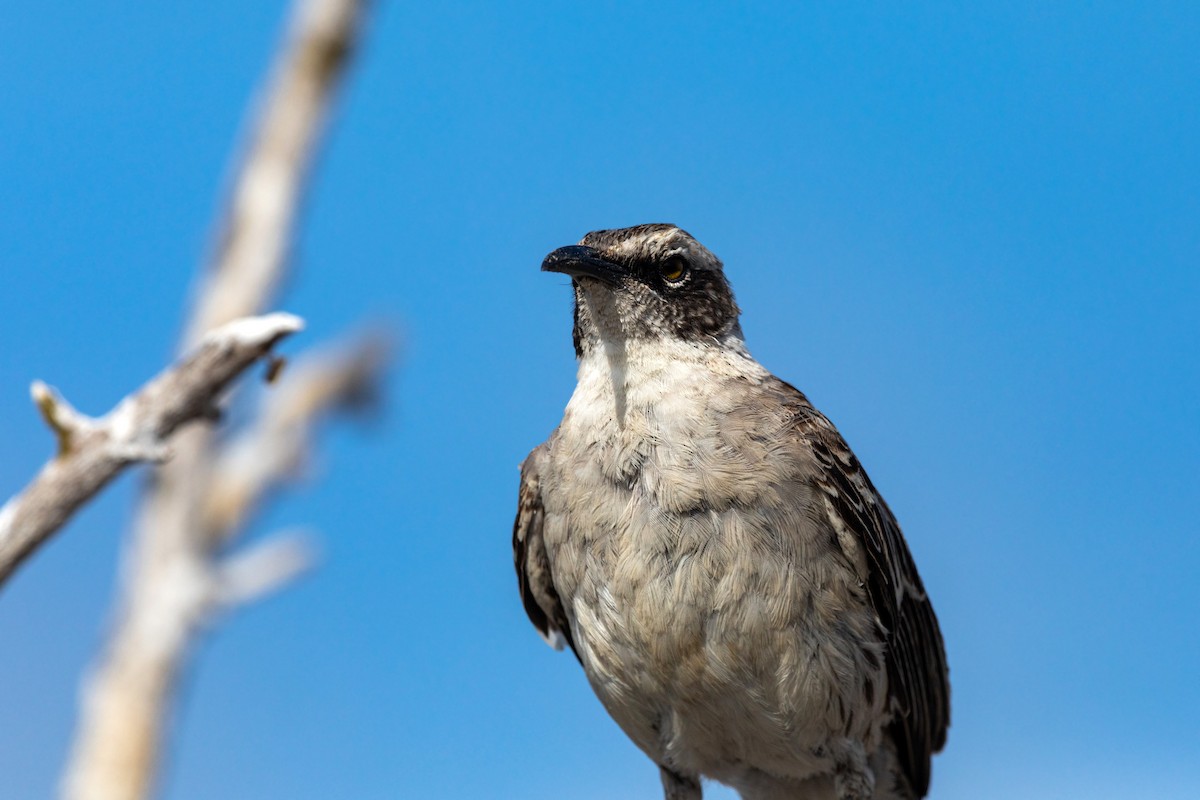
739	595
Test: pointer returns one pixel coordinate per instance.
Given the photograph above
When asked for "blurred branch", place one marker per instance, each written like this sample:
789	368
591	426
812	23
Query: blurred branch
261	569
179	576
274	446
91	452
255	229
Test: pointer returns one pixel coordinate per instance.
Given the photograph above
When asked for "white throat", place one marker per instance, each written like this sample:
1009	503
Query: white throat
626	377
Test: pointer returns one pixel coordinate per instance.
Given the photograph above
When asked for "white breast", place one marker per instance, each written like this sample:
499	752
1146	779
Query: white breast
690	613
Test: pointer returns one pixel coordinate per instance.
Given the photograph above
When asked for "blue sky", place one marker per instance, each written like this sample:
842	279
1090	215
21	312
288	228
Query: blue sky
970	235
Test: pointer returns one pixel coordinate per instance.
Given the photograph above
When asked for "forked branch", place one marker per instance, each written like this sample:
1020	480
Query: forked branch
91	452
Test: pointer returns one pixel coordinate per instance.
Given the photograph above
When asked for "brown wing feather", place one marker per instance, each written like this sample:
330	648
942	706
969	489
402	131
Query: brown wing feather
541	600
918	677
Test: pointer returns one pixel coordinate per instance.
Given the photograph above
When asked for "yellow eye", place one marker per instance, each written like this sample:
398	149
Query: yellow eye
674	270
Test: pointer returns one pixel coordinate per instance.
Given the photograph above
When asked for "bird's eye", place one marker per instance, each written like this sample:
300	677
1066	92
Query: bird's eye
674	270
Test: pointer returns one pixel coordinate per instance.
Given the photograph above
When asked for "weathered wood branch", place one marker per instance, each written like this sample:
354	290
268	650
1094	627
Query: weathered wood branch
180	580
167	605
255	229
178	575
275	445
91	452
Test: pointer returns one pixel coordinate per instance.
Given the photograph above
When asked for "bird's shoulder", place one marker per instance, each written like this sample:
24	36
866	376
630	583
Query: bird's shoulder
534	580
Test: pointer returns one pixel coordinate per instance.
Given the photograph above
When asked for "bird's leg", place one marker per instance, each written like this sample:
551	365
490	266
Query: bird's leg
679	787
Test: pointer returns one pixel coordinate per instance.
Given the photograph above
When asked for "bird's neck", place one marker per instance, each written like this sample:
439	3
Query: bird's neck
632	393
620	377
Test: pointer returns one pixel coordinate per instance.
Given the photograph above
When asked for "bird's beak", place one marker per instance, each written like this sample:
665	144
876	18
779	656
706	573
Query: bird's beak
580	261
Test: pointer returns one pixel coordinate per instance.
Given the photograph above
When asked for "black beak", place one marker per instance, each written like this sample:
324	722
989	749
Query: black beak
579	261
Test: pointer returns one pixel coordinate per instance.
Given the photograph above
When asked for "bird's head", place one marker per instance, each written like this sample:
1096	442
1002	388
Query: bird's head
646	282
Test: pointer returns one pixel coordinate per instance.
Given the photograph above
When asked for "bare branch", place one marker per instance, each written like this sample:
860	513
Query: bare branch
256	228
116	752
264	568
93	452
176	580
62	418
274	447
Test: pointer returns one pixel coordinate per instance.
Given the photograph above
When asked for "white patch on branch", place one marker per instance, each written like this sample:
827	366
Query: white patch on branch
255	331
146	450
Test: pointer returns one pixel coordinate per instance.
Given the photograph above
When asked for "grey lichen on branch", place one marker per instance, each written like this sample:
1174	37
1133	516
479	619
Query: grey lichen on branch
91	452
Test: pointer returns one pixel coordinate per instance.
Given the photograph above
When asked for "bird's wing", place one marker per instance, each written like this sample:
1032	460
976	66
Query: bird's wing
918	677
541	600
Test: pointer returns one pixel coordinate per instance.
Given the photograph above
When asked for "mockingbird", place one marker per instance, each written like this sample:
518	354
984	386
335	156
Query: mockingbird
739	595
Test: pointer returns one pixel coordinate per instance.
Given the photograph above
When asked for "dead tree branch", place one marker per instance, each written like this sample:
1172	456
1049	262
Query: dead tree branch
255	229
179	576
91	452
274	447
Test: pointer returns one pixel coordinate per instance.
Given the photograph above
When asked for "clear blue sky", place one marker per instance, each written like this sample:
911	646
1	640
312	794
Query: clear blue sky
971	236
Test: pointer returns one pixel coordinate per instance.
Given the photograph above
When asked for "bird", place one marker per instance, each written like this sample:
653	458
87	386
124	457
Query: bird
738	593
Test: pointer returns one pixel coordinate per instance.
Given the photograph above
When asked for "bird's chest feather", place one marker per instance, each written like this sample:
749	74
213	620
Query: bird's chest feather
674	527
